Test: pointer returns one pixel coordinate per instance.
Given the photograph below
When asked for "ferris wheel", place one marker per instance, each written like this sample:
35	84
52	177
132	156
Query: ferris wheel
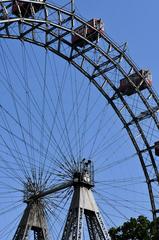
79	127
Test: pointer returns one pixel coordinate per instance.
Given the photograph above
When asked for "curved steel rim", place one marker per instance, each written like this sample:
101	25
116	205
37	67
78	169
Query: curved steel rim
59	32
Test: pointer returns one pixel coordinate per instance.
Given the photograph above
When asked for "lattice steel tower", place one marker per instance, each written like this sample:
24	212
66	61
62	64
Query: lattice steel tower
83	209
83	205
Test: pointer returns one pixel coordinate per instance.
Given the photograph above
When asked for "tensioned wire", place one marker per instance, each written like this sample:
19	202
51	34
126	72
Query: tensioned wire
66	131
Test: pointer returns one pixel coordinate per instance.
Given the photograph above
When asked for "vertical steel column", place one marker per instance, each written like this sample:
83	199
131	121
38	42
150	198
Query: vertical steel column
72	11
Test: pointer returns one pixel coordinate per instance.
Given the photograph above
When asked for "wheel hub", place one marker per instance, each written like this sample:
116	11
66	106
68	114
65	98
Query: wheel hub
85	175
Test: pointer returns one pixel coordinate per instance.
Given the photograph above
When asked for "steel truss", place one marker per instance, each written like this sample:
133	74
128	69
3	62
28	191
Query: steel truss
56	29
34	220
83	205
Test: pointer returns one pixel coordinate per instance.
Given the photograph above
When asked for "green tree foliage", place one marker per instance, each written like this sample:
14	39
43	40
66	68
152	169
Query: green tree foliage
136	229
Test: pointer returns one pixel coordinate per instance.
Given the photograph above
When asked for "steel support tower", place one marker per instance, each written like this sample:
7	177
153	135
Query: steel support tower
83	210
34	220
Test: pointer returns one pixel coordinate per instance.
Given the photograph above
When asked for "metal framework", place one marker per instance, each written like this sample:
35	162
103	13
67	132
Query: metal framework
34	220
56	29
83	205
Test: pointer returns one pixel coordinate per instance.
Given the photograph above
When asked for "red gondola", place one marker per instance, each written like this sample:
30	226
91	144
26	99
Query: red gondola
88	32
142	82
26	9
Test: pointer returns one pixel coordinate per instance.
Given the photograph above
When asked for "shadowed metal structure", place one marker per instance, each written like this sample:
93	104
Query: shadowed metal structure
82	205
33	220
104	64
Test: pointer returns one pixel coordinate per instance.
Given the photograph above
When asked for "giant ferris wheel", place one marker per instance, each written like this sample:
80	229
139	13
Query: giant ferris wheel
79	140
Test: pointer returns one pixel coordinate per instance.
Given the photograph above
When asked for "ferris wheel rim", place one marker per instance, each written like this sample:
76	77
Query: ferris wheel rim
40	22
